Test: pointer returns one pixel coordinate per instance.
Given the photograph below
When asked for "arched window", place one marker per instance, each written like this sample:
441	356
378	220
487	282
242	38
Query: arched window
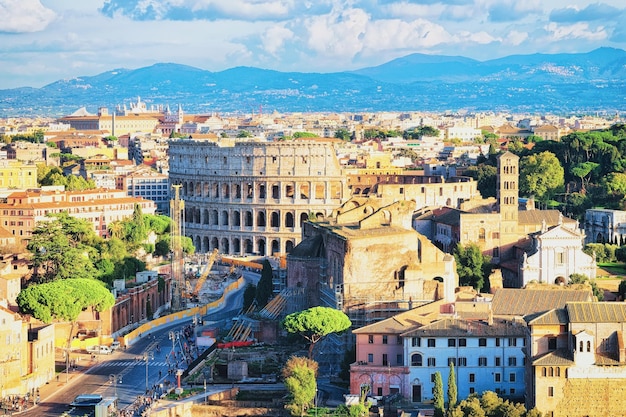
580	346
543	371
588	346
550	371
416	359
275	221
289	220
481	235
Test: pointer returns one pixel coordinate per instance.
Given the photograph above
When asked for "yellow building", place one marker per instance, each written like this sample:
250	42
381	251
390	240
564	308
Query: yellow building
15	174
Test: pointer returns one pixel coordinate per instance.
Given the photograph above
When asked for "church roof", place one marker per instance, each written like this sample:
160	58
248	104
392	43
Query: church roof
594	312
522	302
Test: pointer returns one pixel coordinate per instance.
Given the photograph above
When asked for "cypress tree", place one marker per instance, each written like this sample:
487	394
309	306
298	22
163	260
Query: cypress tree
452	391
264	287
438	396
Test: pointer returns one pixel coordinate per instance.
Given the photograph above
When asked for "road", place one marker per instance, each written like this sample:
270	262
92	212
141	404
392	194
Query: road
128	372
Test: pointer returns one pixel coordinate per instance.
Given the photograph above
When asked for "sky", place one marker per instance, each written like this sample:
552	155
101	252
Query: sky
42	41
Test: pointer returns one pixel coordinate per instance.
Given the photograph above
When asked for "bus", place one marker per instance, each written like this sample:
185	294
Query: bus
86	400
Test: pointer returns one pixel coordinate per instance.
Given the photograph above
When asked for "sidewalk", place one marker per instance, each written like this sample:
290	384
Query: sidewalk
62	379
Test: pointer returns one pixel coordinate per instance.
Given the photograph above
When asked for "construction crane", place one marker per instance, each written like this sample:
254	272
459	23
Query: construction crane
177	207
207	270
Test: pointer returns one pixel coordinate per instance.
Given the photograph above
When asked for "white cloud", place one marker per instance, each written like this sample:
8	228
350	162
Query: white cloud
20	16
274	38
395	34
579	30
337	34
515	38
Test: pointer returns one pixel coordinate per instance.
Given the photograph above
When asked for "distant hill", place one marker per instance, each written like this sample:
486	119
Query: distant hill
556	83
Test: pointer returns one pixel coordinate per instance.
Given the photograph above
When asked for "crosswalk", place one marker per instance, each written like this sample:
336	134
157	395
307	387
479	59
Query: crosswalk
129	363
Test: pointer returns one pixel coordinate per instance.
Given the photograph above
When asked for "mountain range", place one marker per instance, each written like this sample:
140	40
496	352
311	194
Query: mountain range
541	83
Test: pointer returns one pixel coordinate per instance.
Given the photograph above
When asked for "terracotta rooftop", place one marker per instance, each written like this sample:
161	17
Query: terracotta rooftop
594	312
523	302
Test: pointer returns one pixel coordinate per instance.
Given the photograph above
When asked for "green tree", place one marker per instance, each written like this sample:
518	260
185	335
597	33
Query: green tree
575	279
265	287
486	179
64	299
244	134
469	265
343	134
59	249
297	135
584	170
438	400
300	380
316	323
452	390
249	295
541	175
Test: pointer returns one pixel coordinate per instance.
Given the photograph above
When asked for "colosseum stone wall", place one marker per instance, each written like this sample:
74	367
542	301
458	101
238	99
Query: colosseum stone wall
252	197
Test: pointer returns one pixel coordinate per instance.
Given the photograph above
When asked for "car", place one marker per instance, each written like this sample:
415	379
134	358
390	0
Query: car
115	345
106	350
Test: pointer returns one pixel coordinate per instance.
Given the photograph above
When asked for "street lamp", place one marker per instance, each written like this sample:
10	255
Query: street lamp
114	379
147	356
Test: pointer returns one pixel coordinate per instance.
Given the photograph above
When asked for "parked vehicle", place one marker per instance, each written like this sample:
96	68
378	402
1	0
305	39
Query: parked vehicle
86	400
115	345
102	349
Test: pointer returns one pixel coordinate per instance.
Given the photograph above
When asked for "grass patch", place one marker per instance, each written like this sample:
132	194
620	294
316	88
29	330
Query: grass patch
613	268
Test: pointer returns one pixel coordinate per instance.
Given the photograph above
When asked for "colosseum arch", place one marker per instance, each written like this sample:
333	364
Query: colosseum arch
236	218
214	218
237	190
275	247
197	216
224	220
290	190
236	246
260	219
190	189
205	216
303	217
320	191
261	192
184	188
247	246
215	192
289	246
214	244
276	191
225	246
205	193
289	219
275	219
205	245
260	244
225	191
248	217
198	191
197	242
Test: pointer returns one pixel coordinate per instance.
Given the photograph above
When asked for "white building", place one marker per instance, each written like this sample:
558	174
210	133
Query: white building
605	225
487	356
555	254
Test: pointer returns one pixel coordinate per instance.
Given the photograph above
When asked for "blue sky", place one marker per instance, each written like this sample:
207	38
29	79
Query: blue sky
42	41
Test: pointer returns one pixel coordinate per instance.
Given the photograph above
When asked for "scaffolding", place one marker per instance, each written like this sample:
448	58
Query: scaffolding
177	207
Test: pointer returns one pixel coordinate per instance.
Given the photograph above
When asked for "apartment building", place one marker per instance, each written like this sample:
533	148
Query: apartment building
17	175
22	210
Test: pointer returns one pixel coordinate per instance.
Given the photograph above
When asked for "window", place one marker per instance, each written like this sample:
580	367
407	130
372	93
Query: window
497	377
452	361
416	359
472	390
384	339
482	361
472	377
497	341
370	338
560	257
416	341
385	360
511	377
498	361
512	341
482	342
370	357
462	361
550	391
512	361
432	362
462	342
431	342
399	360
451	342
552	343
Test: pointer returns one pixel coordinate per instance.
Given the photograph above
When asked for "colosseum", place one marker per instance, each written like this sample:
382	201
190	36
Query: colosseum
252	197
